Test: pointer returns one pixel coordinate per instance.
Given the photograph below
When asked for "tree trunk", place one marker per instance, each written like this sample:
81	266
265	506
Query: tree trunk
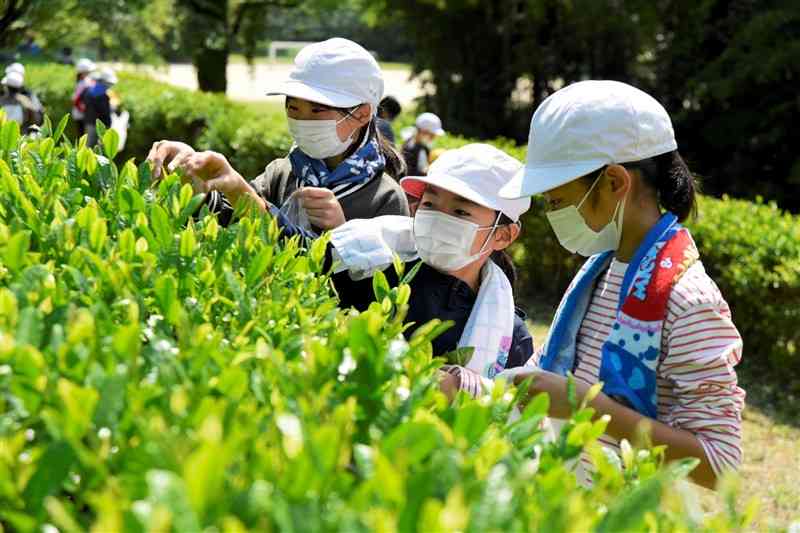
212	66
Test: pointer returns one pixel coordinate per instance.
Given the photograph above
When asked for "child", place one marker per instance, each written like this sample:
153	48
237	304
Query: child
417	148
641	316
340	167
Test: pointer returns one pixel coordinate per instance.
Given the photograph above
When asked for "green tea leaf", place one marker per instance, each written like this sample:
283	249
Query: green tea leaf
111	143
187	242
258	265
159	222
62	125
9	135
51	472
14	255
166	291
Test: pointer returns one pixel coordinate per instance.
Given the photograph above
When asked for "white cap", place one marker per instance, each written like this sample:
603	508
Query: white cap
106	75
85	65
16	67
336	73
13	79
429	122
475	172
586	126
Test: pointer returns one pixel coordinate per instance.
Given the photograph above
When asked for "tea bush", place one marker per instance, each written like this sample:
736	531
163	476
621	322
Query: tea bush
159	372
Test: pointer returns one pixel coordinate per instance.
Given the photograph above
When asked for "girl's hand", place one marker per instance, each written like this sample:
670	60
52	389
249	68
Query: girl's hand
323	209
211	171
170	153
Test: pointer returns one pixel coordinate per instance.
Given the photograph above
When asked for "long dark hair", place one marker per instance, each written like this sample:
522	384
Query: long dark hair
676	187
669	176
501	257
395	163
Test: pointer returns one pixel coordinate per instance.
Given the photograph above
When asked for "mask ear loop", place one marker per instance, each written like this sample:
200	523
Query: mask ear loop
348	113
493	228
586	196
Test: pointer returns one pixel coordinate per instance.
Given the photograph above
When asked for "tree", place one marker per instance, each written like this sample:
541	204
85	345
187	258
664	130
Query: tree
11	12
492	62
125	29
227	24
728	71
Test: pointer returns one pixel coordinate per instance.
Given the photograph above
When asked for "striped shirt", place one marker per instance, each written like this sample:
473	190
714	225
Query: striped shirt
697	383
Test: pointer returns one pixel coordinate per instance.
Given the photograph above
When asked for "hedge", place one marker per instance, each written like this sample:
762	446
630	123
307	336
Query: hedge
161	111
751	249
159	372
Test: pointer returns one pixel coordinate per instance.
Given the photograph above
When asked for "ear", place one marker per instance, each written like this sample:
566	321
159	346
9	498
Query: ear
504	236
619	180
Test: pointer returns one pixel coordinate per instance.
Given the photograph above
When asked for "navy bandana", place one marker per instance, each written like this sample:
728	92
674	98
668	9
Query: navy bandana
352	174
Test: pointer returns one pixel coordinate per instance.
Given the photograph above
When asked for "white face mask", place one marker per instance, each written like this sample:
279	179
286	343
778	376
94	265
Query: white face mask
576	236
318	138
445	242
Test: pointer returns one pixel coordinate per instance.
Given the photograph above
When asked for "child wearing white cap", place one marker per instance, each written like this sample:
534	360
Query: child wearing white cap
641	316
416	149
340	167
83	81
459	235
18	103
100	102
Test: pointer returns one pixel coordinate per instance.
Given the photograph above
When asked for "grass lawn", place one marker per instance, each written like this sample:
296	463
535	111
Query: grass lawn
771	430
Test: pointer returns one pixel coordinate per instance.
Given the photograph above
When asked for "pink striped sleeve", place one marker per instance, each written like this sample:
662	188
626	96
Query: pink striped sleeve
703	346
469	381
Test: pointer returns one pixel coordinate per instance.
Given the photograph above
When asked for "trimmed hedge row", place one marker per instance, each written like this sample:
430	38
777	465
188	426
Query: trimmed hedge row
161	111
751	249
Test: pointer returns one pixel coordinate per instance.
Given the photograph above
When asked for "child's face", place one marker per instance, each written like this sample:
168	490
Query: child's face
444	201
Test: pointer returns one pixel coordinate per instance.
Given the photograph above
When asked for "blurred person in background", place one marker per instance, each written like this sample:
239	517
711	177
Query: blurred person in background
418	147
83	82
388	110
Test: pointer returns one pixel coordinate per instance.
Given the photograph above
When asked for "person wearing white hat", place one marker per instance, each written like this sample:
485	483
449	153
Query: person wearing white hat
16	67
101	102
641	317
340	167
416	149
459	235
83	81
17	102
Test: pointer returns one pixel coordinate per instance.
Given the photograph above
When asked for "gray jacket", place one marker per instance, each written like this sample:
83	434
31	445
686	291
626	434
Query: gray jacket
381	196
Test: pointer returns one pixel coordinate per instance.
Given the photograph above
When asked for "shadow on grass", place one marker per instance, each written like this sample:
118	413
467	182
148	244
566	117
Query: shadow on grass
773	395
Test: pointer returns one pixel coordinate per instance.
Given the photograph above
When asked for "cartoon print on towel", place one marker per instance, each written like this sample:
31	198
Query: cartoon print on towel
630	354
492	369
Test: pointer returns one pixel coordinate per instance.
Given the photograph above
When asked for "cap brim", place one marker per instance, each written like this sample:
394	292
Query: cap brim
530	181
320	95
415	186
